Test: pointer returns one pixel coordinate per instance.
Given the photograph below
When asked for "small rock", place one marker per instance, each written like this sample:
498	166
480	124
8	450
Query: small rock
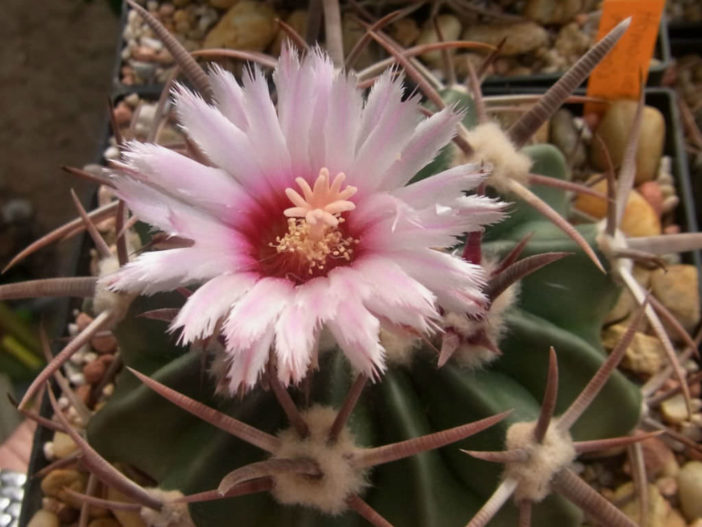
522	37
675	519
125	518
639	217
645	355
658	508
674	409
571	43
405	31
104	522
690	490
64	446
450	28
123	113
57	480
83	320
222	4
659	458
94	371
246	26
104	343
667	486
677	289
614	129
554	11
651	192
44	518
17	211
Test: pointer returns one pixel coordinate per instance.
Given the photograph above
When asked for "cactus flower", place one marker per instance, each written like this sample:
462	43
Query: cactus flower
304	217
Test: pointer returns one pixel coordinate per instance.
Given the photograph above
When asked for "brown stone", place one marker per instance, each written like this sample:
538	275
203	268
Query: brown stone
521	37
677	289
614	129
639	219
56	481
246	26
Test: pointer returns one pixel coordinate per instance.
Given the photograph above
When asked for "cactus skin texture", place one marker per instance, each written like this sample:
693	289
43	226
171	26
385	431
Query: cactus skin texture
562	305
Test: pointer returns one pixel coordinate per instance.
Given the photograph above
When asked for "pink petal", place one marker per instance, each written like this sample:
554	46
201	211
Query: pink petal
425	143
257	312
394	295
227	146
342	125
264	133
157	271
443	187
208	188
247	364
177	218
212	301
355	329
298	327
456	283
393	127
229	96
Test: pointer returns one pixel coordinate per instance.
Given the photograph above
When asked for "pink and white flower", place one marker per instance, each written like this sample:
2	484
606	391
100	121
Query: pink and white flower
305	218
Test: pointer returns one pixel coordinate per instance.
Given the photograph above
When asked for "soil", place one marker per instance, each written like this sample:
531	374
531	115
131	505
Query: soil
57	61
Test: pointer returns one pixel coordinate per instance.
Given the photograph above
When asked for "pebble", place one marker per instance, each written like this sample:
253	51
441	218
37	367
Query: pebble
644	356
522	37
104	522
667	486
690	490
83	320
405	31
674	409
222	4
54	483
651	192
614	130
659	458
450	28
104	343
640	219
553	11
17	210
64	446
125	518
94	371
658	508
677	289
246	26
44	518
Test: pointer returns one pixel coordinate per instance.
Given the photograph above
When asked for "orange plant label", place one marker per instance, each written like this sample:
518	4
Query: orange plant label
621	73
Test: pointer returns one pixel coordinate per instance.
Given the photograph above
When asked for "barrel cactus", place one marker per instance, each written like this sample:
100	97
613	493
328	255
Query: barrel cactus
364	324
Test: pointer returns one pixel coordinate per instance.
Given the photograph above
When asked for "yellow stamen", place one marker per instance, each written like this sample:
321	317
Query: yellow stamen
313	230
322	204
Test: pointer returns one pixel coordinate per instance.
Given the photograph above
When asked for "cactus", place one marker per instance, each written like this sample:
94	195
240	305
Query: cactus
378	436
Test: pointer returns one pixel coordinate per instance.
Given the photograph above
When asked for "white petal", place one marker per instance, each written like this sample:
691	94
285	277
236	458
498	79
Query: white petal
157	271
229	96
442	187
212	301
256	312
425	143
208	188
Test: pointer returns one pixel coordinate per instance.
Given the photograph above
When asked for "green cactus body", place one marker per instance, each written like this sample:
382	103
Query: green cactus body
562	305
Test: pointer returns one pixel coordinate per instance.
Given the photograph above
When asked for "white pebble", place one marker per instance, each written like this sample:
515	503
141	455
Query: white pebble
48	449
111	152
108	390
77	379
152	5
132	99
152	43
63	402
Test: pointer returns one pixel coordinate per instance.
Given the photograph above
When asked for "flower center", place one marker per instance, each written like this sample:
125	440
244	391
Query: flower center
314	235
